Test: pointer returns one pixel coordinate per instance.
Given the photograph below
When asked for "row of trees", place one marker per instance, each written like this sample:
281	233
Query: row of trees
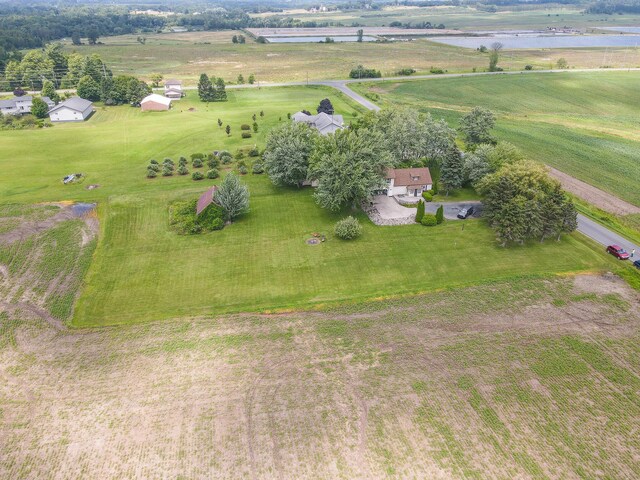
208	92
52	64
118	90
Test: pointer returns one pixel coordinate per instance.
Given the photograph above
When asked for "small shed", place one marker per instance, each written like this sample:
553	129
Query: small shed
75	109
155	103
205	200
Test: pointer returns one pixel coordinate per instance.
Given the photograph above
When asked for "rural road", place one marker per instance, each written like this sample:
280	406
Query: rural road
604	236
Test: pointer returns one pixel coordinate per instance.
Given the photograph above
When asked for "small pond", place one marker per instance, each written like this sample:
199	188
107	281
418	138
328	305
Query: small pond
532	41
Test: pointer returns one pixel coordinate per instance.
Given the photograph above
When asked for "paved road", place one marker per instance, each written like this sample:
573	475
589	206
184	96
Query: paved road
604	236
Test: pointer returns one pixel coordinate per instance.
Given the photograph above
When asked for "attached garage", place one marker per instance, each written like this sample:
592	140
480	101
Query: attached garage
155	103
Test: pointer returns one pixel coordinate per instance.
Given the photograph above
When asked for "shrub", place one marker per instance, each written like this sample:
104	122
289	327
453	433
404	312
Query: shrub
151	173
244	126
246	134
197	155
254	152
197	163
528	67
429	220
154	162
213	173
197	176
239	155
154	166
183	170
257	168
348	228
242	170
182	161
436	71
406	71
183	219
427	196
226	159
255	127
440	215
168	161
167	172
217	224
420	211
213	162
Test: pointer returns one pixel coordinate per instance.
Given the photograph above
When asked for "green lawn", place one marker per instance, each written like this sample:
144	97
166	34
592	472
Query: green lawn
141	271
584	124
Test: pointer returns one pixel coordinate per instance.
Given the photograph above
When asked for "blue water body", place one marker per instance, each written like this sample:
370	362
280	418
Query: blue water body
621	29
352	38
81	209
559	41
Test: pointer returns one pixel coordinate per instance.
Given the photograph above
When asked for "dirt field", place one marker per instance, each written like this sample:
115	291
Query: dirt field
536	379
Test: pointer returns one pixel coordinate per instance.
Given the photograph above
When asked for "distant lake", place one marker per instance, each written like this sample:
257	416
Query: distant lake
352	38
529	41
621	29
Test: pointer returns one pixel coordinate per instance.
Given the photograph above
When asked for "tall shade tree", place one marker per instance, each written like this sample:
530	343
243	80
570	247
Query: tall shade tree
88	89
35	67
452	170
325	107
233	197
39	108
49	90
286	157
476	126
156	78
349	167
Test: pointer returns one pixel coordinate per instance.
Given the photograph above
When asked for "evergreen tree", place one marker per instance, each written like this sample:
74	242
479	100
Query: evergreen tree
228	129
233	197
205	89
420	211
240	79
325	106
440	215
220	94
219	123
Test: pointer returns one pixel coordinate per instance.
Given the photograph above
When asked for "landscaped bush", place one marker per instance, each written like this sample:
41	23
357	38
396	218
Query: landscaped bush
427	196
182	161
348	228
213	173
154	166
528	67
440	215
154	162
183	170
420	211
406	71
257	168
213	162
166	171
436	71
151	173
242	170
246	134
244	126
226	159
197	163
197	176
183	219
429	220
168	161
254	152
197	155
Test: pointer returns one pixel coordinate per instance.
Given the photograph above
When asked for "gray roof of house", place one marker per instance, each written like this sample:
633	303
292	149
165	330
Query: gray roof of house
74	103
24	98
322	121
47	100
7	103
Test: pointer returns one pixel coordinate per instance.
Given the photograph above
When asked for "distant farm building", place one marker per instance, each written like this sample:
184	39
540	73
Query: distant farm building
75	109
324	123
155	103
173	89
205	200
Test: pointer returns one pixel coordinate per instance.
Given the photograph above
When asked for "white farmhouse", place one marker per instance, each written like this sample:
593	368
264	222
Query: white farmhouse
21	105
408	181
173	89
75	109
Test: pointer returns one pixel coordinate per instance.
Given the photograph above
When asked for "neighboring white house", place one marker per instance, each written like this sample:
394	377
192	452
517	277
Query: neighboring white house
155	102
173	89
408	181
21	105
75	109
322	122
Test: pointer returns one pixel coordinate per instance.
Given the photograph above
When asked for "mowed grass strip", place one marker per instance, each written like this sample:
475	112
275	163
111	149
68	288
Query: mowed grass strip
142	271
584	124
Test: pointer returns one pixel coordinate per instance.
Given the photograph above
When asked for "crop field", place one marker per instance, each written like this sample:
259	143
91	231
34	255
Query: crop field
531	378
584	124
468	18
187	55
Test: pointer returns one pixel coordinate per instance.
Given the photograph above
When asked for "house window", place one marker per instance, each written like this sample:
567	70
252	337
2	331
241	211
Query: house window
415	179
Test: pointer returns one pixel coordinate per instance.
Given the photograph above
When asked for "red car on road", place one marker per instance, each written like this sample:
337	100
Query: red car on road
618	252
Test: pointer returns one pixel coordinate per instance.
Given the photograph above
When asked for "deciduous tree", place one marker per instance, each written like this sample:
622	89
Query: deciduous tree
286	157
476	126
